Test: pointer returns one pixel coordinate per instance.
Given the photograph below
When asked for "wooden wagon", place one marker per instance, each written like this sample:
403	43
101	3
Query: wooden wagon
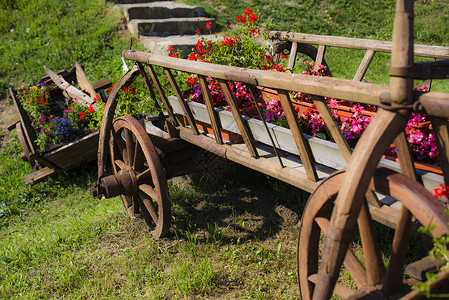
366	191
62	157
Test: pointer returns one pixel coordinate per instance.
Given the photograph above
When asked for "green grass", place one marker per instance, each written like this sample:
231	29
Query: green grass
57	34
370	19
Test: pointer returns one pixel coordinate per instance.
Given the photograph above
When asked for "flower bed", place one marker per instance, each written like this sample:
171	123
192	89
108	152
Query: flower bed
325	152
57	120
242	50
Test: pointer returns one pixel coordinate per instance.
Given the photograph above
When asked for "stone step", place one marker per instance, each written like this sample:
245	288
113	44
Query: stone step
172	26
185	43
161	10
136	1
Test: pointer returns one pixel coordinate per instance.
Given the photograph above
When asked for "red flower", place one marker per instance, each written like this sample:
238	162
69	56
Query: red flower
254	31
252	18
82	115
97	98
174	54
193	56
199	45
126	89
442	191
198	31
241	19
91	109
171	48
248	11
110	90
228	41
133	91
45	103
209	25
192	81
284	56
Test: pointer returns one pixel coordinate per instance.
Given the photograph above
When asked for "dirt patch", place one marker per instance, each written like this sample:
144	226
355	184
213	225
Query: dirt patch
289	217
7	112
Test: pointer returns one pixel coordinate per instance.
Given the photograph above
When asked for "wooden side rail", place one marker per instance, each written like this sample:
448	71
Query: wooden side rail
439	52
318	87
435	103
343	89
302	43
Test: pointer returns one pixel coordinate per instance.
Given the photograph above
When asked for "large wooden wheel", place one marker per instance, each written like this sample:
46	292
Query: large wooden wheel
139	174
372	279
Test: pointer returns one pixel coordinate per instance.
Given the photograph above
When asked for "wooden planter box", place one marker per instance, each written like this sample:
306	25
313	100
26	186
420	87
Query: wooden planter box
325	152
344	110
62	157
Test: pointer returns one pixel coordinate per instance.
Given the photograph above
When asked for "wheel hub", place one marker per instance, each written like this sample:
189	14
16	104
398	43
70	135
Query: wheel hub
122	183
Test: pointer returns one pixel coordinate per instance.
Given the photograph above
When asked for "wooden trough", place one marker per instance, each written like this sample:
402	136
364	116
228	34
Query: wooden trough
66	156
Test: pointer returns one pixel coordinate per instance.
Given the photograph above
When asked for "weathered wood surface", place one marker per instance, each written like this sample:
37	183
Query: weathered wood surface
325	153
305	153
322	86
316	219
355	43
83	82
213	115
66	157
435	103
25	121
69	89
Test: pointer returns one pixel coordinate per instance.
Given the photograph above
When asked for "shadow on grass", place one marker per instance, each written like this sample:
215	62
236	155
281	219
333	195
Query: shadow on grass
241	203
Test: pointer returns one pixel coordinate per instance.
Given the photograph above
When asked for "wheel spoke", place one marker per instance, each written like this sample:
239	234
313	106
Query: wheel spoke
129	158
120	144
373	260
138	159
127	201
339	289
149	205
351	262
147	189
145	174
393	277
119	163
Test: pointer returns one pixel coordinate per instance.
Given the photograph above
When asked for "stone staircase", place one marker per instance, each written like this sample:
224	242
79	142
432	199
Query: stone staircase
159	24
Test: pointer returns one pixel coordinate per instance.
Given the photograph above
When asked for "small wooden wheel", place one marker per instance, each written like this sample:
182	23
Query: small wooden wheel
139	171
370	277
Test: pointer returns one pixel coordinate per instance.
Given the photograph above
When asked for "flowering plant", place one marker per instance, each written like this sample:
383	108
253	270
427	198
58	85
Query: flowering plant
129	101
242	50
239	49
55	119
440	248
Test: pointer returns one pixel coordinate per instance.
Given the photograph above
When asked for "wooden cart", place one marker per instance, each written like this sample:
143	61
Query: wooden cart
67	156
141	167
